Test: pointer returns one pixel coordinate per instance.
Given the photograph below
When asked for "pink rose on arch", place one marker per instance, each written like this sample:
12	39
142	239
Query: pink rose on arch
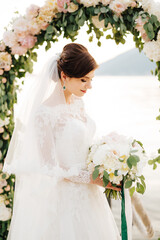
28	41
139	27
2	46
118	6
61	4
19	50
105	2
33	26
3	183
20	26
139	24
32	11
44	26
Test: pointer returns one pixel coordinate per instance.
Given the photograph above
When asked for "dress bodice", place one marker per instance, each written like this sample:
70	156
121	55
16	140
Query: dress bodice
65	133
73	132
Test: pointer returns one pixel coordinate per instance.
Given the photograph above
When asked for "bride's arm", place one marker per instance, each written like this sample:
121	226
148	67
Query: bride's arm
86	177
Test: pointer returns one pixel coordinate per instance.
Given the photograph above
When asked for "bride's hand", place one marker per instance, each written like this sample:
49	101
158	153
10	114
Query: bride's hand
99	182
118	188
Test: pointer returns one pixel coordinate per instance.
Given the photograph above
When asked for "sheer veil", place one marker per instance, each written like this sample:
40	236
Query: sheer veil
22	155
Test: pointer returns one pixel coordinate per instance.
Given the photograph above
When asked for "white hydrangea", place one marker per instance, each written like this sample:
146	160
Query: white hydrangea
89	3
5	213
152	50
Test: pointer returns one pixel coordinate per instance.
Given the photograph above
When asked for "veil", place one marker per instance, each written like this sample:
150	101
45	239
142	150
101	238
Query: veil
23	154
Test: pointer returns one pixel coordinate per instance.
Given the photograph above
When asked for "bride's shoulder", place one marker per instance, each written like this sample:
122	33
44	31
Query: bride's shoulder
76	105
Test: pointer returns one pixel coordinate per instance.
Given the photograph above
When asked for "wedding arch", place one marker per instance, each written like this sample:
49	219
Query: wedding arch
43	25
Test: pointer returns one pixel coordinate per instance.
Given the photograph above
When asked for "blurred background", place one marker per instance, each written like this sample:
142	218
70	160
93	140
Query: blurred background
125	97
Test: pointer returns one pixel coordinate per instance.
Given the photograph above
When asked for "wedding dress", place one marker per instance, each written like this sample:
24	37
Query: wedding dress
53	197
62	205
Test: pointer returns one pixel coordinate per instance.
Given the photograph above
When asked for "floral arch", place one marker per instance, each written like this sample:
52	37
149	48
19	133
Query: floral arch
45	24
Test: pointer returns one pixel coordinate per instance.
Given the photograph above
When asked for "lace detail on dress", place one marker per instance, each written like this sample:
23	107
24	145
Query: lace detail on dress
83	177
49	124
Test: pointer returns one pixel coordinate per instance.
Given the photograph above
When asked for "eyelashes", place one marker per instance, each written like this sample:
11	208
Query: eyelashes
82	80
85	80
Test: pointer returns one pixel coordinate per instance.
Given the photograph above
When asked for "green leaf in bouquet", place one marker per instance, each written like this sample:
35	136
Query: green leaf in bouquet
131	191
97	166
140	188
95	173
116	173
132	161
105	181
114	194
143	183
121	160
142	177
128	184
133	151
105	174
129	163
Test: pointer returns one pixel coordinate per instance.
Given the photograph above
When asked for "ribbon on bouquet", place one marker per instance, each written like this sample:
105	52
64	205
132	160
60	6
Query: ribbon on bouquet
124	234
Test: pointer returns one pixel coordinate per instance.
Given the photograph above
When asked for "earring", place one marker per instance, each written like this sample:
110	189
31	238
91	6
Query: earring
64	87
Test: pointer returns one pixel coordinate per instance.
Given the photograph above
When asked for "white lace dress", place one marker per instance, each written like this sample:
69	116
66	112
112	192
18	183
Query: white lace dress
62	205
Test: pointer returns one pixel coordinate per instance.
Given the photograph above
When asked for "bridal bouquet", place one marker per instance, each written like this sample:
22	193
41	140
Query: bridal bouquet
119	160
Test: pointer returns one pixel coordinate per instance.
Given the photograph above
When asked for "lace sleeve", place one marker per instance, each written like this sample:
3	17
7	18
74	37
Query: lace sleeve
45	142
82	177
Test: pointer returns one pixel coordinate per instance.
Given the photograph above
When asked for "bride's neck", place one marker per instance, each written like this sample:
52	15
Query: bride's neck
67	95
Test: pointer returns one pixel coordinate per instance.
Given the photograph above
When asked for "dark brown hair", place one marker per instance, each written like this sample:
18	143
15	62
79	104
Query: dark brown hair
75	61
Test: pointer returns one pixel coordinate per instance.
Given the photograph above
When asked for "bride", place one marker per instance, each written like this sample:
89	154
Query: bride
55	196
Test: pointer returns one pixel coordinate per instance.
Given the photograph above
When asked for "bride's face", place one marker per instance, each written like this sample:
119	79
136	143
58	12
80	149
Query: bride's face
77	86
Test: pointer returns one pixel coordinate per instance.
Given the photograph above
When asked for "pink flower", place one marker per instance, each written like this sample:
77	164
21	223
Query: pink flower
2	46
4	80
9	38
7	188
32	11
1	129
105	2
7	68
3	183
44	26
145	37
19	50
118	6
133	4
28	41
139	27
20	25
1	190
61	4
1	72
139	24
34	27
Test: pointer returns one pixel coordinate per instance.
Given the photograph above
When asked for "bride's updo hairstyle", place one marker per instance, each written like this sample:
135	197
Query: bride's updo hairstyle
75	61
